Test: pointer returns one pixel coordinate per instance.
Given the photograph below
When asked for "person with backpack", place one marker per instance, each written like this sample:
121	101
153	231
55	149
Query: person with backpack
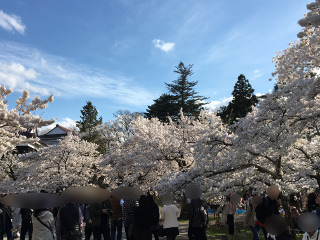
198	219
250	220
43	225
69	222
265	209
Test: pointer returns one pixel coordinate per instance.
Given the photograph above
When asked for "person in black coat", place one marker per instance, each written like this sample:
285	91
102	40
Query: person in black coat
69	222
142	220
155	216
264	210
88	231
5	222
285	235
198	219
312	204
26	223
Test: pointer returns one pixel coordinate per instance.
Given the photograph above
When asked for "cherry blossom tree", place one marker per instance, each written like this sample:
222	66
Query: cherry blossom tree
19	119
71	163
306	151
14	124
115	132
269	145
211	153
155	149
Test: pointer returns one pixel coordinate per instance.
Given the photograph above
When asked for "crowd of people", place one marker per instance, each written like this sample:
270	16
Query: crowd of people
142	219
258	213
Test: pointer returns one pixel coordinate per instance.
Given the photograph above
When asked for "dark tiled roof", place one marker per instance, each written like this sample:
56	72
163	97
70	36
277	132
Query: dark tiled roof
27	134
50	136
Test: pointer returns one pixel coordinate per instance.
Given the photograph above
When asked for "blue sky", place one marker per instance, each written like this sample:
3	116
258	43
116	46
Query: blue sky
119	53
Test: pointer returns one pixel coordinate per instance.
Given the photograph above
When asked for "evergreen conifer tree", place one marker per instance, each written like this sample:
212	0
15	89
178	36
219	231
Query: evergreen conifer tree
162	108
181	96
88	126
242	102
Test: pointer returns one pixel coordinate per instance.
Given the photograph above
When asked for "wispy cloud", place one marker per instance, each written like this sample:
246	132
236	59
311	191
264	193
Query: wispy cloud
215	105
164	46
257	73
16	76
24	67
11	23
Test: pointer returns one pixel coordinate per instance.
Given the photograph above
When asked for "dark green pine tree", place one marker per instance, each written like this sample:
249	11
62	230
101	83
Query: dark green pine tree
88	126
242	102
181	96
162	108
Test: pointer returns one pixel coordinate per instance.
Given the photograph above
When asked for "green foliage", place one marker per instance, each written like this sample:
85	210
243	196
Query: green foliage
89	119
88	126
241	105
181	96
163	107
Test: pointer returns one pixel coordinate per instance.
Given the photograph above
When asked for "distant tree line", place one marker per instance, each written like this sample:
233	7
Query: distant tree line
181	96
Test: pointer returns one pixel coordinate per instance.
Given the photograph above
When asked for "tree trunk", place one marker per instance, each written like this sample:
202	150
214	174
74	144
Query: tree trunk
289	220
184	209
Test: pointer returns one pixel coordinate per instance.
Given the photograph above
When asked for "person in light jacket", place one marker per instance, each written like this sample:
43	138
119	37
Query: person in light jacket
228	215
169	215
43	222
314	235
250	221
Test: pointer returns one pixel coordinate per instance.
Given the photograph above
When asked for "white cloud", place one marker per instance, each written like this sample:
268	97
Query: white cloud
17	77
64	122
11	23
215	105
257	73
164	46
44	74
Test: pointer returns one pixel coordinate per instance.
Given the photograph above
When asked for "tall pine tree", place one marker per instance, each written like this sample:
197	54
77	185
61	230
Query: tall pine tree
181	96
163	107
88	126
242	102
